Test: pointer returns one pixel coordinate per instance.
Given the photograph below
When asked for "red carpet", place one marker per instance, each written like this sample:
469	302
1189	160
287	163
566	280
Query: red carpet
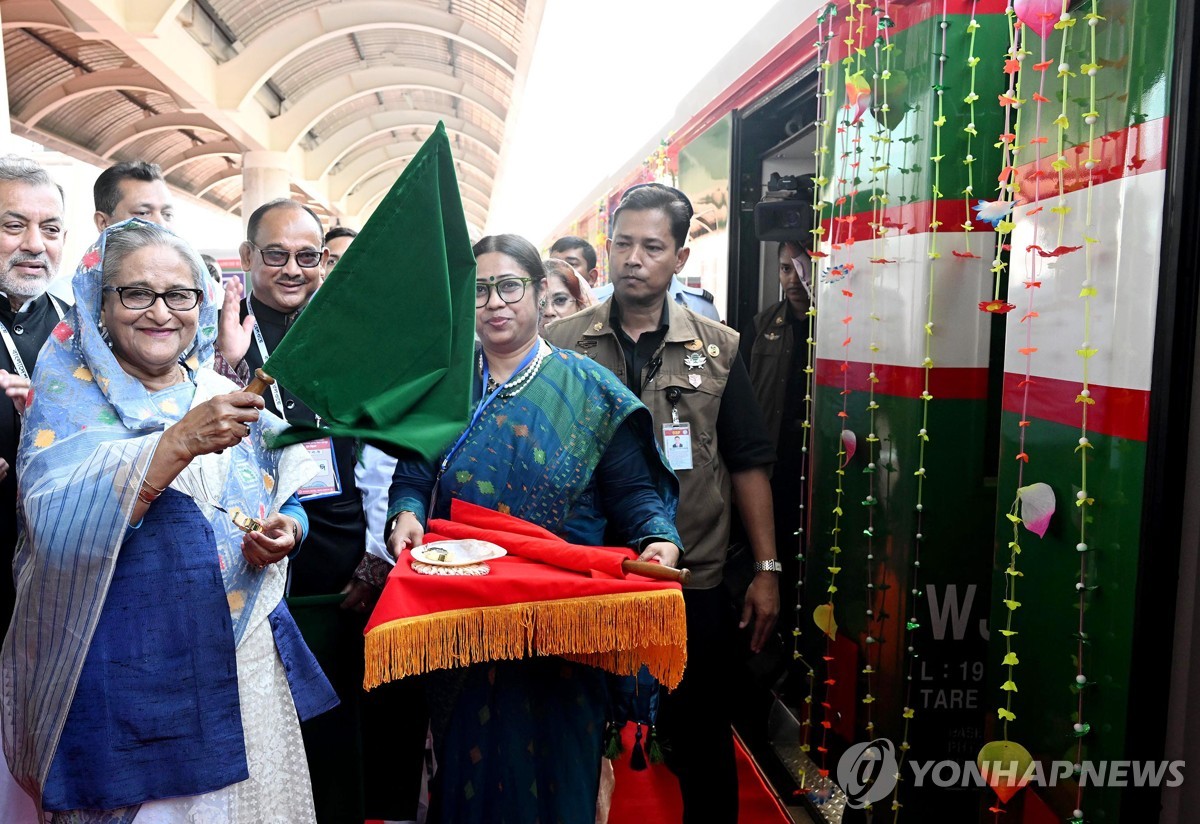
653	794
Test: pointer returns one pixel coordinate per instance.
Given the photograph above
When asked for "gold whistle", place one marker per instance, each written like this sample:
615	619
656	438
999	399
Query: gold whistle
244	522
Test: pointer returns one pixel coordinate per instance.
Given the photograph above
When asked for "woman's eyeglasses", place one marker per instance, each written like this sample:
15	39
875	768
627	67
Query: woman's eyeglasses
558	302
510	290
137	297
305	258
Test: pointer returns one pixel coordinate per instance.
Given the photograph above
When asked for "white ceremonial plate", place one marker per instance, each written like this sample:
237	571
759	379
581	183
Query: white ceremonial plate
457	553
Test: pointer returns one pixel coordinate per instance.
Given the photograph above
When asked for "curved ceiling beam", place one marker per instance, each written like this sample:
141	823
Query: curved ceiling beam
288	128
487	155
121	138
238	79
344	181
470	209
224	148
215	180
333	148
381	179
473	198
51	99
35	14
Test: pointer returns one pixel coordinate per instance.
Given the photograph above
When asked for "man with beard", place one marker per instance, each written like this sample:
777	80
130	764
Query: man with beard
285	259
32	232
31	245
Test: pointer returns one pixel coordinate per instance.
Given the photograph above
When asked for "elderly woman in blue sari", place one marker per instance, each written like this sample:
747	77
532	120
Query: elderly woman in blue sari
152	672
558	441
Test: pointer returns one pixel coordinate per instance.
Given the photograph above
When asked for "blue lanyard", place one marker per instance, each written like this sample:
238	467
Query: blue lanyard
484	401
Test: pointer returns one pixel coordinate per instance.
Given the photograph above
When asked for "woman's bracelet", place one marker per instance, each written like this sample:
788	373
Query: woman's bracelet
144	496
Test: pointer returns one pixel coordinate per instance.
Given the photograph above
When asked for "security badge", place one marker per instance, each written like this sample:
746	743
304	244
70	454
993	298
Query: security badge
694	360
771	336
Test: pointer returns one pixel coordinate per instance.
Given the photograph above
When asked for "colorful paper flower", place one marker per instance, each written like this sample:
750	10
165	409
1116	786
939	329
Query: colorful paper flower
996	307
993	211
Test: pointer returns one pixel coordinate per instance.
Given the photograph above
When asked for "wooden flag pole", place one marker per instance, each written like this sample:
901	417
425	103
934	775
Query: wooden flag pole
260	382
657	571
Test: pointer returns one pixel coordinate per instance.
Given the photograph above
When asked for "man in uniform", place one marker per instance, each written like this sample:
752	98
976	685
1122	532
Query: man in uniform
31	245
774	347
686	369
285	257
132	189
696	298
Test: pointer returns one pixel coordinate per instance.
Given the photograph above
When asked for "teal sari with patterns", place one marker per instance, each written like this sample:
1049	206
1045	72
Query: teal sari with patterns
574	452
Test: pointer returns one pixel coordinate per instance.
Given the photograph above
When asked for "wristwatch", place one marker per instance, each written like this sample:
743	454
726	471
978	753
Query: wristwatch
768	566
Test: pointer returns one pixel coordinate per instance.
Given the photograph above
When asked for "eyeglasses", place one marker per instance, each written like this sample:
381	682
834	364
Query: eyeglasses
558	302
510	290
137	297
305	258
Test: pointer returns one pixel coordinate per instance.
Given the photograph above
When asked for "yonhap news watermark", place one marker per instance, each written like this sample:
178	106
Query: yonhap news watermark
868	773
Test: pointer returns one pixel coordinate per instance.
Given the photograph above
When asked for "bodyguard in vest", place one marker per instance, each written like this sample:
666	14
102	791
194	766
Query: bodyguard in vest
686	369
774	348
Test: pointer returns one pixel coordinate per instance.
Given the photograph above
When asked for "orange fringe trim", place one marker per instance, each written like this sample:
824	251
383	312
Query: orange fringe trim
618	633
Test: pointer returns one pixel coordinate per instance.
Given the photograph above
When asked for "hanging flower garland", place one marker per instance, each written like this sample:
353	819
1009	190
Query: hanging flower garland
842	238
881	166
600	235
997	211
970	131
824	121
1082	727
1036	502
908	713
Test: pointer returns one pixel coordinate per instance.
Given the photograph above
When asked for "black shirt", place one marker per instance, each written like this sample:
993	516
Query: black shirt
741	432
29	330
337	533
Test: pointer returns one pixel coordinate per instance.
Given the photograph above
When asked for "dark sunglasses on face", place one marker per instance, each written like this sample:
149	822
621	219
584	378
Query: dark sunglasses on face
305	258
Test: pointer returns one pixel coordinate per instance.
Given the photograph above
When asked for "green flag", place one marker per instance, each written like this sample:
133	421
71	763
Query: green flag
383	351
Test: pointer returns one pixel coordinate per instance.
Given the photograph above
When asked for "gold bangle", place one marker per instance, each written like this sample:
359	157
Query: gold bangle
144	499
153	487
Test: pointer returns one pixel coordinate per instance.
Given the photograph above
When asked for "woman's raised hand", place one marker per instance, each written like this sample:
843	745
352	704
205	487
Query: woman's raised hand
216	424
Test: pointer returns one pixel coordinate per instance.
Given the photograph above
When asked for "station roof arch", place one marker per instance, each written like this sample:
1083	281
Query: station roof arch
341	90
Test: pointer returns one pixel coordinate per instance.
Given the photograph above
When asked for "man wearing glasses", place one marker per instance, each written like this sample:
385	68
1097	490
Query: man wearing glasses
284	257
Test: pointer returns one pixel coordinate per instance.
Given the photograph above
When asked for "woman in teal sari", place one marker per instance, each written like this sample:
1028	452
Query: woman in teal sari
147	669
558	441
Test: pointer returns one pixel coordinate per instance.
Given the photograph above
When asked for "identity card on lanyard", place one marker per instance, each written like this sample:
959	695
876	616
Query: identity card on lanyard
327	483
11	345
677	444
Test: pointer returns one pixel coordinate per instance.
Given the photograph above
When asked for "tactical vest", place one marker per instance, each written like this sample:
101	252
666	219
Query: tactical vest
770	360
705	491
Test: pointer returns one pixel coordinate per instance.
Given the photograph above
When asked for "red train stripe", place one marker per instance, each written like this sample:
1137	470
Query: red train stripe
1119	412
945	382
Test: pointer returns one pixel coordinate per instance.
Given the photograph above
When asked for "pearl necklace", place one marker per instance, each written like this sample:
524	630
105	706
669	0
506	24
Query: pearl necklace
513	387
